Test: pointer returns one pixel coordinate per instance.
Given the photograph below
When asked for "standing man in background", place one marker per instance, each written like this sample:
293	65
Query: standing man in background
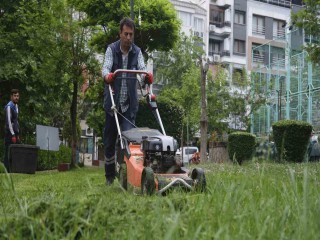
12	125
122	54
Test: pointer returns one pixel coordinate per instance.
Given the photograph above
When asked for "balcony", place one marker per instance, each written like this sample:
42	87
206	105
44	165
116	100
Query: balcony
258	60
281	3
223	3
220	29
279	34
225	54
258	29
278	62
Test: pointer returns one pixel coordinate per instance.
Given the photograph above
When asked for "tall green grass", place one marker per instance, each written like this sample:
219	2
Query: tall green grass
258	200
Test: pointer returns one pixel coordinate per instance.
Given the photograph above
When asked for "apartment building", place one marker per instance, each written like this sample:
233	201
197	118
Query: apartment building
193	18
233	30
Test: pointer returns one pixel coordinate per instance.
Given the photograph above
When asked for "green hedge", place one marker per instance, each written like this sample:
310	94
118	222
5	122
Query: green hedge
241	146
171	116
291	138
48	160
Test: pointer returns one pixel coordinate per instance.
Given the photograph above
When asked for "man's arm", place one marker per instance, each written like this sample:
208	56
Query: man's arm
8	120
141	65
107	64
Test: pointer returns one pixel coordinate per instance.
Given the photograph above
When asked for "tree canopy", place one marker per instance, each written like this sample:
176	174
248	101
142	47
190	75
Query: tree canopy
158	29
308	19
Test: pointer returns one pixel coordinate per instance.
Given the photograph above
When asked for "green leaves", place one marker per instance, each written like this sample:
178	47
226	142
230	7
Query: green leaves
308	20
159	28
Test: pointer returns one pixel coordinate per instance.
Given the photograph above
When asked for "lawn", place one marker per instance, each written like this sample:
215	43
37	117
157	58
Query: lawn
258	200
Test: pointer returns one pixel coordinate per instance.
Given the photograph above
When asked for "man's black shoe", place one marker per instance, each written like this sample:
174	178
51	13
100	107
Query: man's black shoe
110	181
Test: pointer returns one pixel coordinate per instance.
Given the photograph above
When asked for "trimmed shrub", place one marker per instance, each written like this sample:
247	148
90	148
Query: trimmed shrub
171	116
48	160
291	138
241	146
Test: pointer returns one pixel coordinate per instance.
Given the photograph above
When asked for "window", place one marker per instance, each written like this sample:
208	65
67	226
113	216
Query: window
239	17
278	57
185	18
258	52
214	47
198	24
239	46
278	29
258	25
216	16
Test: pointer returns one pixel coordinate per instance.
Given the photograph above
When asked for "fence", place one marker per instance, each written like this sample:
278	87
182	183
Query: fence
290	84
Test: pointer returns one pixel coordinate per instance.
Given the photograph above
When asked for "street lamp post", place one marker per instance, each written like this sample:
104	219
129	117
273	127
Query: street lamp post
131	7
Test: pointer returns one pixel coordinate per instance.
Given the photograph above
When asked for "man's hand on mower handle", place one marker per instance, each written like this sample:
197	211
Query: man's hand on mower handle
110	77
148	78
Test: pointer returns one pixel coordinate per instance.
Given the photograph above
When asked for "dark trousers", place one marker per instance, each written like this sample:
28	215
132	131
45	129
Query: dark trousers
109	139
6	162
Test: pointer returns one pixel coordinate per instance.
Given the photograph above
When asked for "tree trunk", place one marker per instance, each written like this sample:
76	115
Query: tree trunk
73	111
204	117
218	152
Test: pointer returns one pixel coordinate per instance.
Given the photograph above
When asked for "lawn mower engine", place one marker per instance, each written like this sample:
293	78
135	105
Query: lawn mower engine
159	153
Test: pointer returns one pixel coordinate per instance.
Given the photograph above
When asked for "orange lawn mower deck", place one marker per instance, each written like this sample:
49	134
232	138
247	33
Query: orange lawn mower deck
148	164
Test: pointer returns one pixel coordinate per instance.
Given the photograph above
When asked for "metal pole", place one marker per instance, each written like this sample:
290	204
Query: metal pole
131	7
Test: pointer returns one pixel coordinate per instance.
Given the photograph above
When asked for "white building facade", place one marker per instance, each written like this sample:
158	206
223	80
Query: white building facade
232	29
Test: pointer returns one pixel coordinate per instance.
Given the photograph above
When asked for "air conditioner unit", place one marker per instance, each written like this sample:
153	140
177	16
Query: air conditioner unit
197	34
89	132
210	58
216	58
212	28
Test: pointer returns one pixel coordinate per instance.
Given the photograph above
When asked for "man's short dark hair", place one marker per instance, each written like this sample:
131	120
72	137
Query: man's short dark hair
14	91
128	22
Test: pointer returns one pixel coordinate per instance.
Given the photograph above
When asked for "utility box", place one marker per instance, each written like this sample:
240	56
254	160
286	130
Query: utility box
23	158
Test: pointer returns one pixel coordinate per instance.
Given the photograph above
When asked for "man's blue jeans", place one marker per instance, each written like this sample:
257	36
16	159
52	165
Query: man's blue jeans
110	137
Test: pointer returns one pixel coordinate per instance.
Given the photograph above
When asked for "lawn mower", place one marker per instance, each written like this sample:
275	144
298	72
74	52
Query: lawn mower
146	160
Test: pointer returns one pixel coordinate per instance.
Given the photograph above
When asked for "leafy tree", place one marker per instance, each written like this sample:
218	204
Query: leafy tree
159	28
187	96
51	56
27	34
172	65
218	98
308	19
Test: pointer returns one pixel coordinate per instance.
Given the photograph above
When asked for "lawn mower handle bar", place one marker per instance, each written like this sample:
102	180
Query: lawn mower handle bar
119	71
129	71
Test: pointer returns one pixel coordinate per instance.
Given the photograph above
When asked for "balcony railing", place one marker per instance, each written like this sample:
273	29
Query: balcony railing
278	62
224	53
258	29
258	58
214	53
281	3
220	24
279	34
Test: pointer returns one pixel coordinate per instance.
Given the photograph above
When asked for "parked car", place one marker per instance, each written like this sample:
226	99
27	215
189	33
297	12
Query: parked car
187	153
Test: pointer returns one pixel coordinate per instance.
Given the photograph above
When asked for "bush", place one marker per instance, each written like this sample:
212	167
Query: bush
291	138
241	146
48	160
171	116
